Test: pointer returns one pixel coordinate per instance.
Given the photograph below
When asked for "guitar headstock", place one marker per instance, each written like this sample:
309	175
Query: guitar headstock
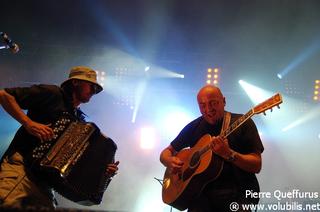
273	101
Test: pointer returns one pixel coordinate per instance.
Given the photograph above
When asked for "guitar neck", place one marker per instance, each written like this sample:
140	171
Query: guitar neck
237	123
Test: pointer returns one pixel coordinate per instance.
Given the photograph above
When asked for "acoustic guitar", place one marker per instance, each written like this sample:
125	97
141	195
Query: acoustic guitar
201	165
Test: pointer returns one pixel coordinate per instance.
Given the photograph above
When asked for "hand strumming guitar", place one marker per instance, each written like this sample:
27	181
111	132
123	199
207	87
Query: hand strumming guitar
169	159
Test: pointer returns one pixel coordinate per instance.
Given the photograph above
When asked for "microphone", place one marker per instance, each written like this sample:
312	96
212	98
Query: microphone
10	44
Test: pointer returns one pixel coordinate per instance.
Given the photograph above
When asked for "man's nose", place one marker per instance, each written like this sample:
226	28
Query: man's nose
208	108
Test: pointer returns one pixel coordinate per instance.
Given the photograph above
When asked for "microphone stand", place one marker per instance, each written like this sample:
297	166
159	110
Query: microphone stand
9	43
4	47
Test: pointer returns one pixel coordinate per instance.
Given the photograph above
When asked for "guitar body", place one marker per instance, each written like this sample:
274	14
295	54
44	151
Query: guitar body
179	188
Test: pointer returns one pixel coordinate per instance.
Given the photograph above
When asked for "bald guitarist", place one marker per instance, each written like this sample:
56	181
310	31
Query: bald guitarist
237	157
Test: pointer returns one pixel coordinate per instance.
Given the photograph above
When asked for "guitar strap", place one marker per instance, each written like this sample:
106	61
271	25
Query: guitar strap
255	187
226	121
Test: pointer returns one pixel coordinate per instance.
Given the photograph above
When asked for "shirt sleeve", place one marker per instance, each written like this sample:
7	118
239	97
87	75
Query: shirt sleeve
186	137
249	140
31	97
256	143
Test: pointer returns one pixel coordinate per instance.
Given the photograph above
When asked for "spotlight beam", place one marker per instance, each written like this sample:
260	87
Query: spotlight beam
300	59
311	115
138	96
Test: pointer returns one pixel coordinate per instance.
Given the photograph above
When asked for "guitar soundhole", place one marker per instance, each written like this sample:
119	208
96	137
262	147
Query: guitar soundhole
194	159
193	164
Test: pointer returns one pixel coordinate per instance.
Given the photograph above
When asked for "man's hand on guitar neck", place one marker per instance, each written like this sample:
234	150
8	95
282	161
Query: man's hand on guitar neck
221	147
248	162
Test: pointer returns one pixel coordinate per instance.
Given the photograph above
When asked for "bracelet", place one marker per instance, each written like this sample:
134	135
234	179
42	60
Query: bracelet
232	156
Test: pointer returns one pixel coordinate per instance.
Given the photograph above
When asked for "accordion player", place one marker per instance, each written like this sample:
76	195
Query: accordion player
75	163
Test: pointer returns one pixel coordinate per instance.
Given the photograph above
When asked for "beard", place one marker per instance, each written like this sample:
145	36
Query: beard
213	119
81	96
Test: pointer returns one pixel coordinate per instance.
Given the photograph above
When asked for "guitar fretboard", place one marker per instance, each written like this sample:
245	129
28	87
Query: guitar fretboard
229	130
268	104
237	123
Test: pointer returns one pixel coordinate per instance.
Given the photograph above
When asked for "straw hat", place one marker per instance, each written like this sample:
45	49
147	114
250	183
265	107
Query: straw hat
84	73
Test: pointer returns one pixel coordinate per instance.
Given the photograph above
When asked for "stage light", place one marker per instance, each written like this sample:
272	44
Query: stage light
307	117
279	76
101	77
316	95
138	97
273	119
308	114
129	78
174	121
147	138
305	54
213	76
256	94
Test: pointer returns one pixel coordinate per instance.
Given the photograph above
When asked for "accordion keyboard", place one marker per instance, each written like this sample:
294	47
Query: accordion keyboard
58	128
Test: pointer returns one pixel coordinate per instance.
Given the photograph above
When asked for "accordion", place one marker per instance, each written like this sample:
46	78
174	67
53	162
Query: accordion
75	163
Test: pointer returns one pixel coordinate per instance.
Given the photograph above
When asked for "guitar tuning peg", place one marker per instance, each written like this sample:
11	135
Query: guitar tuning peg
271	110
264	113
278	106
